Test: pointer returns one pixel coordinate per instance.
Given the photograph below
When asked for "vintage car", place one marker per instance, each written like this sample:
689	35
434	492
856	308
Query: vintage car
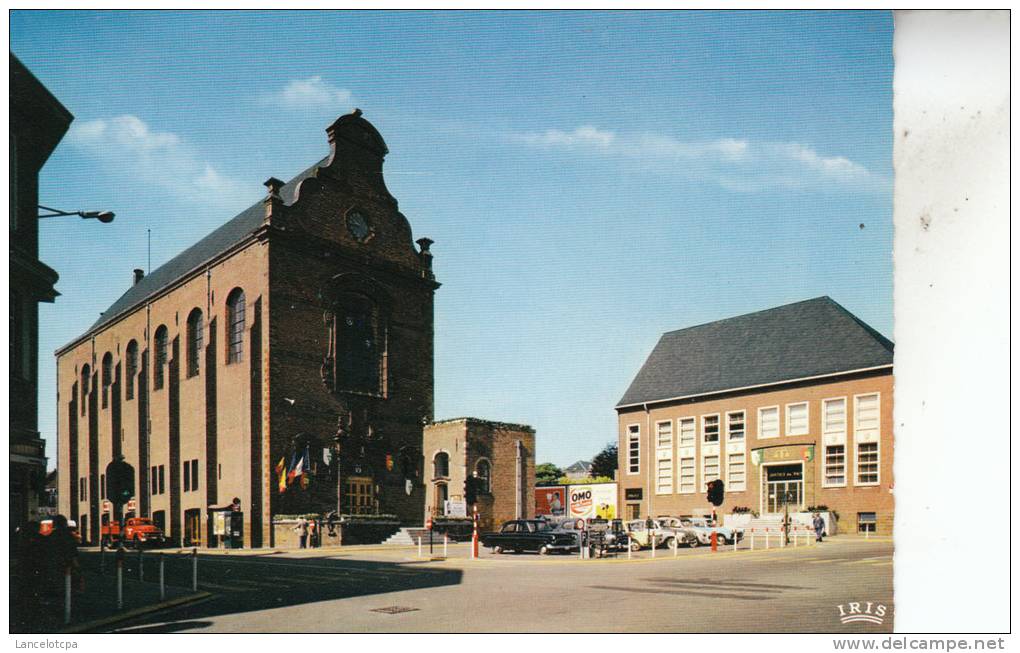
684	535
46	527
704	529
529	535
642	534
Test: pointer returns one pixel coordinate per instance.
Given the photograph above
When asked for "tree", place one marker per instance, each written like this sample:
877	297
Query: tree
547	474
604	463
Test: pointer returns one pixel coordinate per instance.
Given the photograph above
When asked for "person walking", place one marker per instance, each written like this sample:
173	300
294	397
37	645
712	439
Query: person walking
313	534
302	530
819	525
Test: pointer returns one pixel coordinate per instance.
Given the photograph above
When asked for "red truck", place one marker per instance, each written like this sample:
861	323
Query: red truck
138	531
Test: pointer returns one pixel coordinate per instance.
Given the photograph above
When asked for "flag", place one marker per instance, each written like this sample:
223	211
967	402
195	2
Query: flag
295	468
281	471
306	468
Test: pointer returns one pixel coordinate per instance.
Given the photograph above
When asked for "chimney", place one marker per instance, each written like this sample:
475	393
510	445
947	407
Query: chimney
139	273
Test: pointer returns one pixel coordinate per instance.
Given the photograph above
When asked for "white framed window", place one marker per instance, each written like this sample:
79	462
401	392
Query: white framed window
688	485
736	472
735	426
866	414
664	435
768	422
834	416
710	428
688	426
835	466
633	449
867	463
711	471
797	419
664	476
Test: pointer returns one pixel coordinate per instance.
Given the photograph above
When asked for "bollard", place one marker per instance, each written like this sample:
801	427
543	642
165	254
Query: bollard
735	541
419	546
120	579
715	541
444	544
675	547
867	533
628	549
141	575
766	539
795	534
651	538
194	570
752	539
67	596
162	579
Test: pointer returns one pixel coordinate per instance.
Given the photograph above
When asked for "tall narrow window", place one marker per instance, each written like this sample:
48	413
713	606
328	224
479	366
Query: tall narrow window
131	369
687	473
160	367
484	470
195	341
688	426
834	416
710	428
633	449
187	475
358	346
735	425
711	467
107	378
664	457
736	471
154	484
194	474
86	376
235	326
835	466
867	463
162	479
441	465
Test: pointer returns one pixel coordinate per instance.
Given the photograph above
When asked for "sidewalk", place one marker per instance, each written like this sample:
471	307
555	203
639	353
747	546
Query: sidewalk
96	606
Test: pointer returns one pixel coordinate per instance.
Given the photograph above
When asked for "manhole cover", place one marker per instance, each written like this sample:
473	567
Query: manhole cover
393	609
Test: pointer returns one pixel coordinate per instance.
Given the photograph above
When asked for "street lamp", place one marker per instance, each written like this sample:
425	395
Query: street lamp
102	216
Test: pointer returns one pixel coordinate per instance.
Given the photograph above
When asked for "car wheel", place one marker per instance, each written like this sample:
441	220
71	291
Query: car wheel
634	546
543	551
668	543
497	549
693	542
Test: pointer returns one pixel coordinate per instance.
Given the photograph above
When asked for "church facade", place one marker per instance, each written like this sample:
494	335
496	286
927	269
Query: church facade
281	365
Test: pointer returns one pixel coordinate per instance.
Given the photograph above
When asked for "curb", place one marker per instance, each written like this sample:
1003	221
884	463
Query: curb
137	612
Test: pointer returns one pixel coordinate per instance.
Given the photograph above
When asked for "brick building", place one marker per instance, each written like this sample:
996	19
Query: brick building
791	405
503	457
38	123
301	328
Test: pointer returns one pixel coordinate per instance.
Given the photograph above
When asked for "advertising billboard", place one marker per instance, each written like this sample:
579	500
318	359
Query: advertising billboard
551	501
593	500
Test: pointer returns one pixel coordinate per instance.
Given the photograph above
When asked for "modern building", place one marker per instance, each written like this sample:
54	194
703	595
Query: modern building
790	406
501	456
294	341
38	121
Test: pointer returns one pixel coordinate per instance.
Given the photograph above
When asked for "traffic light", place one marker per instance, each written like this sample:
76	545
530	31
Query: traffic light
120	481
471	490
715	492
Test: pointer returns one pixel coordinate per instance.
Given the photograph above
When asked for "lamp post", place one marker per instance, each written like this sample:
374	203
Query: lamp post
103	216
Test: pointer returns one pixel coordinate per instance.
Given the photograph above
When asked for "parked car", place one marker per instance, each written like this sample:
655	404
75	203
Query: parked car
684	535
704	529
528	535
643	535
138	531
46	527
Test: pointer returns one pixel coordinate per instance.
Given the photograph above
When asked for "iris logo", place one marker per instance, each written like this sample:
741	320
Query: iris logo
871	613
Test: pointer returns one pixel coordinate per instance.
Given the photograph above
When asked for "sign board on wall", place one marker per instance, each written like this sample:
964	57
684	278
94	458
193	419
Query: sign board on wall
551	501
455	508
594	500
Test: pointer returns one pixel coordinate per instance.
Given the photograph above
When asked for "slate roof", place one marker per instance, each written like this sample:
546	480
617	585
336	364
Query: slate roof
795	341
581	466
223	238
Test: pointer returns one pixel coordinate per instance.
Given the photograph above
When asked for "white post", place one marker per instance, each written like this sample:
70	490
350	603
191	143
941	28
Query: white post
766	539
162	579
67	596
628	548
120	583
651	538
734	540
867	533
795	536
419	546
444	544
675	547
194	570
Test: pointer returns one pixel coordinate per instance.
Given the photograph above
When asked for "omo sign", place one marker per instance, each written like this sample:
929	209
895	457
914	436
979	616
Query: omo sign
593	500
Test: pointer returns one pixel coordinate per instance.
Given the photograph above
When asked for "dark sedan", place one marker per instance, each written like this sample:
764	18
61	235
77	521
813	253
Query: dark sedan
527	535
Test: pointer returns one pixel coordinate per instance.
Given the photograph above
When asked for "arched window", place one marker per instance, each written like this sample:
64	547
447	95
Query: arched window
131	369
359	350
235	326
484	470
441	465
86	374
107	379
195	341
160	366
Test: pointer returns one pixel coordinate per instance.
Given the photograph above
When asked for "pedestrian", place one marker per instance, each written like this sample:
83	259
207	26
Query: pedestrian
313	534
60	557
302	530
819	525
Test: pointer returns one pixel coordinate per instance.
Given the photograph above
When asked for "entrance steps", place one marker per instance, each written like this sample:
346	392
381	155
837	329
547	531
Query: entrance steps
406	536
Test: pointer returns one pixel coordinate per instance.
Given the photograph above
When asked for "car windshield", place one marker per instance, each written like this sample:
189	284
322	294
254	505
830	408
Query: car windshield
541	526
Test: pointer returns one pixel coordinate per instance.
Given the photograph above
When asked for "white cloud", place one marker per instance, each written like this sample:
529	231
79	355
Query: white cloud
310	93
131	149
733	163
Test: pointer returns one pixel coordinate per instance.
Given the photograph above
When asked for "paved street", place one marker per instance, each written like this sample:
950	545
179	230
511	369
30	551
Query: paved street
377	589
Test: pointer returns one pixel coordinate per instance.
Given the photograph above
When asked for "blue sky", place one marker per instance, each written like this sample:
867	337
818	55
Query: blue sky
591	179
